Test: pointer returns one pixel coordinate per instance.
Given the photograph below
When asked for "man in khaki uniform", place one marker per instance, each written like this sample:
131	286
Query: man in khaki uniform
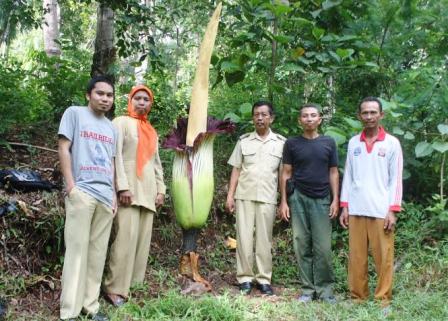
86	151
256	162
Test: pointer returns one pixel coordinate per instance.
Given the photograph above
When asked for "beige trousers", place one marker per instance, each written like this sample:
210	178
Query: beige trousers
130	249
364	232
87	229
261	216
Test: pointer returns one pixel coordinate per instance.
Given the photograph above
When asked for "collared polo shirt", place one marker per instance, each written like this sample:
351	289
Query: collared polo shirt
259	161
372	184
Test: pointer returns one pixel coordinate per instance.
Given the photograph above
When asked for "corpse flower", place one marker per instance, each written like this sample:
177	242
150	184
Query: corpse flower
192	183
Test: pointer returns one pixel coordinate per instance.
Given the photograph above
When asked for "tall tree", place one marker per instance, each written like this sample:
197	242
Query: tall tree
51	27
105	52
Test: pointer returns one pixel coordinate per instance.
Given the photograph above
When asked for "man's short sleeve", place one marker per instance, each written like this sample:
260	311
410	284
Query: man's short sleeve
236	159
67	125
334	154
287	159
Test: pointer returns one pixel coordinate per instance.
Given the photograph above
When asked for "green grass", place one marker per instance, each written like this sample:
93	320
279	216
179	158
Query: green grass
420	292
417	305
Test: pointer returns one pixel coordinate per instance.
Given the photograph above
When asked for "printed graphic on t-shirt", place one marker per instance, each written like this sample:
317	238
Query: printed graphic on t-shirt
357	151
100	145
382	152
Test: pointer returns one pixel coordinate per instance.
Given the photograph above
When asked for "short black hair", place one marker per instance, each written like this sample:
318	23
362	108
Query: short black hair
369	99
311	105
92	82
263	103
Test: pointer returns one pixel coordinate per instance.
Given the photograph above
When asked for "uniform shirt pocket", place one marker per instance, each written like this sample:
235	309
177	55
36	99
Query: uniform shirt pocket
275	157
249	154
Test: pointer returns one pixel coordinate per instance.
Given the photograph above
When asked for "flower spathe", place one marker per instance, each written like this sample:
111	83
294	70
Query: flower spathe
193	183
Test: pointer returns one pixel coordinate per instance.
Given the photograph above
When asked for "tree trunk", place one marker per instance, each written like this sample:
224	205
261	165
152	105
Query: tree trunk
273	63
51	27
4	40
176	62
140	71
330	109
105	51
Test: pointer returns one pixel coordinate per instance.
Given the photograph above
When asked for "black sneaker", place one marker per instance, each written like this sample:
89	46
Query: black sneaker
98	317
246	287
265	289
329	300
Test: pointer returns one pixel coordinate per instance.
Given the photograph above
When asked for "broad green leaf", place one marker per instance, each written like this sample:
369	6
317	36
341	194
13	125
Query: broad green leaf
397	131
406	174
305	61
344	53
322	57
324	69
279	8
409	136
423	149
329	4
297	52
301	21
371	64
347	38
229	66
353	123
318	32
293	67
234	77
395	115
337	134
233	117
443	129
335	56
246	109
413	74
439	146
388	105
330	37
310	54
283	38
316	13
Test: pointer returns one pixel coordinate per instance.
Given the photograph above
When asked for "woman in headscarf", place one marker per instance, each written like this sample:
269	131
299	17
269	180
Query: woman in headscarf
140	187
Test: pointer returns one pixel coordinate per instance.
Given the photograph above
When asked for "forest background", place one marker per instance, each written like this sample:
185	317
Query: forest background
332	53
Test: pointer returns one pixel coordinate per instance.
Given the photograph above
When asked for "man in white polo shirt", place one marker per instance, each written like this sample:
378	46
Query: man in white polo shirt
370	197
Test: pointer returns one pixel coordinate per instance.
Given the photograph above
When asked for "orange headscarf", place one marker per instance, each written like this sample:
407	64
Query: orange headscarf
147	135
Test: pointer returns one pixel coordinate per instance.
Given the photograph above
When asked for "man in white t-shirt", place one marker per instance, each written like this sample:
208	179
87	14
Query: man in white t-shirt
371	195
86	151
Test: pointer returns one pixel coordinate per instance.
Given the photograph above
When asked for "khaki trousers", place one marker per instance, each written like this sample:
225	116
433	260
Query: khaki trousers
364	232
87	229
130	249
261	216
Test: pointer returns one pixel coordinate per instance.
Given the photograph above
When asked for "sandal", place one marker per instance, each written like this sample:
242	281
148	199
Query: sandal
114	299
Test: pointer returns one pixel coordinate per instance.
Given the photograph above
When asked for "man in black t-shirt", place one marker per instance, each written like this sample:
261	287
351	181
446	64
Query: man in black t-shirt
310	170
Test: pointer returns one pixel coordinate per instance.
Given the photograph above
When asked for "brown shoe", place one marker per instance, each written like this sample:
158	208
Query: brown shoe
114	299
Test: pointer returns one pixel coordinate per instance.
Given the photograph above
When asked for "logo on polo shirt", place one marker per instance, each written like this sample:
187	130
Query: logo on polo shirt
382	152
357	151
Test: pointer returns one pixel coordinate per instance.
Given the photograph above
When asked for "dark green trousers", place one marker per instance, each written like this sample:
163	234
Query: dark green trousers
311	227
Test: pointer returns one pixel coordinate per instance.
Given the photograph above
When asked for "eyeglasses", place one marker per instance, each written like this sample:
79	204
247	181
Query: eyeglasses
263	115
